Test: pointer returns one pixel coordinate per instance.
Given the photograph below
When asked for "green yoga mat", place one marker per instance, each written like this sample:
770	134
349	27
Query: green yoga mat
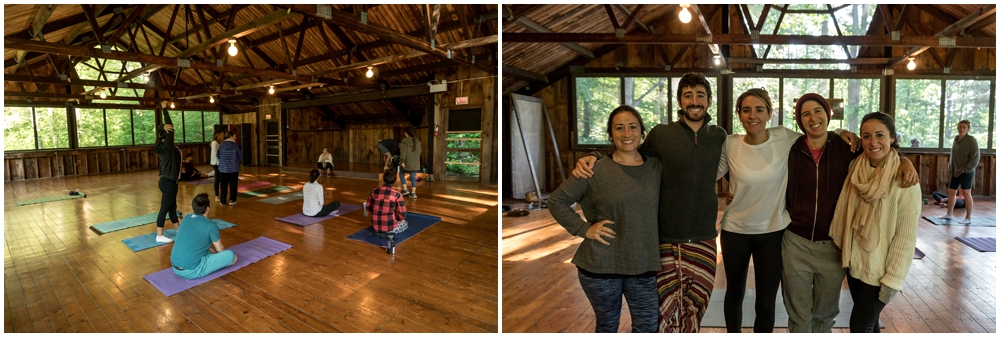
55	198
120	224
263	191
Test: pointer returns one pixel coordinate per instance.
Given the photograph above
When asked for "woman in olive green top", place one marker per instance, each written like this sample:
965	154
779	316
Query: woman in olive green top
620	252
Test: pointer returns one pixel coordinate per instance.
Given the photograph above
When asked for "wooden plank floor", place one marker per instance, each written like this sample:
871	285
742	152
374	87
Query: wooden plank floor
952	289
61	276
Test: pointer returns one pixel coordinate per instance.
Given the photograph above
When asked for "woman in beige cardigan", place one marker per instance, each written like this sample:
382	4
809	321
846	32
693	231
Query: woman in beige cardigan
875	224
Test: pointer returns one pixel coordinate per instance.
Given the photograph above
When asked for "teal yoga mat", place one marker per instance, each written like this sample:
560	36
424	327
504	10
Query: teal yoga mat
55	198
147	241
117	225
263	191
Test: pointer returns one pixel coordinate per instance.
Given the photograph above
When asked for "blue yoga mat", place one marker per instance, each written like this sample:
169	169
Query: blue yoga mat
246	253
416	222
121	224
147	241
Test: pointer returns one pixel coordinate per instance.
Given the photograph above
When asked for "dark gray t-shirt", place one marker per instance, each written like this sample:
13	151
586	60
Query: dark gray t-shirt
627	195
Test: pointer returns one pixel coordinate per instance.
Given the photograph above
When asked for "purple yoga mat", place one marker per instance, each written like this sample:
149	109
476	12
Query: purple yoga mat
980	244
246	253
304	220
208	180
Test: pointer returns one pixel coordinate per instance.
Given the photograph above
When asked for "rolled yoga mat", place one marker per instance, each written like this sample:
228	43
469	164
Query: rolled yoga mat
246	253
305	220
147	241
55	198
976	222
980	244
415	222
282	198
111	226
263	191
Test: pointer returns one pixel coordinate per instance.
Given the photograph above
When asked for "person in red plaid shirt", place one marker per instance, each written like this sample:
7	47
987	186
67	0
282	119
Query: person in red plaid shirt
386	206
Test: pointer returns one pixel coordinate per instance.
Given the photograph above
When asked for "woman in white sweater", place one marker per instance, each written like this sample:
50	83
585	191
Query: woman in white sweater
312	198
875	224
325	162
216	141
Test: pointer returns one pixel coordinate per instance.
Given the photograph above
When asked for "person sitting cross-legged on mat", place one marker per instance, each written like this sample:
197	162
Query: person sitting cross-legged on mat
312	198
192	255
188	171
386	206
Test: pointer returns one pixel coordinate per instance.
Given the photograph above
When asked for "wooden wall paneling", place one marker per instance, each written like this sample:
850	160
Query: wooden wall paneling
6	170
30	168
440	146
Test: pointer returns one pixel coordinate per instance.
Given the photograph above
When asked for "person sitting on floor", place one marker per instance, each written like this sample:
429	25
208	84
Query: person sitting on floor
312	198
386	206
188	171
192	255
942	199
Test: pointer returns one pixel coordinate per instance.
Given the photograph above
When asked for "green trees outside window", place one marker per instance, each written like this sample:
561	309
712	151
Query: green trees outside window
90	127
918	110
18	130
192	127
144	126
119	127
462	157
52	128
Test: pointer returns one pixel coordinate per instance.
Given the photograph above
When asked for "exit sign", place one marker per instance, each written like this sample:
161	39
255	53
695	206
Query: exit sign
461	100
267	116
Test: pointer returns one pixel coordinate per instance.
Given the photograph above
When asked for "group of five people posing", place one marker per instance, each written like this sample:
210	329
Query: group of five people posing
849	205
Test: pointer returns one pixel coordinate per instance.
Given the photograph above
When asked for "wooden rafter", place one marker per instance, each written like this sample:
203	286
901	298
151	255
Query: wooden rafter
631	17
91	12
901	18
347	21
638	22
836	25
136	11
745	39
952	29
170	26
35	30
714	47
538	28
246	29
612	17
453	46
992	19
147	86
869	60
515	71
298	46
886	15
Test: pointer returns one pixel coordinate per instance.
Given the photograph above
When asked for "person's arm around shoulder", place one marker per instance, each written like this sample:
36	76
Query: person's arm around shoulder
724	159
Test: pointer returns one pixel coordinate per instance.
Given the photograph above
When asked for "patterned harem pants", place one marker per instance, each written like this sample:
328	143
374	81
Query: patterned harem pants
685	284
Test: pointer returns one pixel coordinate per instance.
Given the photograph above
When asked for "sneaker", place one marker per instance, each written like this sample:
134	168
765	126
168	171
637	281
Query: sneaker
413	195
945	217
164	239
232	203
965	221
405	192
216	199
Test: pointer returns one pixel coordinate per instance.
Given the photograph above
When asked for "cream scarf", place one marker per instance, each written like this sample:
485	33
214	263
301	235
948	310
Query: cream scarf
860	205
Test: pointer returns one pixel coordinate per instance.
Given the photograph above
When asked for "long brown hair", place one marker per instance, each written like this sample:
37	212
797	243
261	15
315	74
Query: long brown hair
412	133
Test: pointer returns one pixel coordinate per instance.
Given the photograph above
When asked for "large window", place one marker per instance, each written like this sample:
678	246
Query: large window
18	131
119	127
52	128
964	100
855	96
859	96
918	111
90	127
653	97
144	126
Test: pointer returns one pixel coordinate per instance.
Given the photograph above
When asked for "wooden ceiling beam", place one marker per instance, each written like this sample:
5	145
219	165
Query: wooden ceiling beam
362	97
215	18
708	30
992	19
902	17
631	17
170	27
539	29
886	14
563	71
746	39
839	32
347	21
246	29
46	47
777	26
148	86
90	12
42	14
972	18
514	12
426	67
525	74
869	60
298	46
612	17
452	46
638	22
136	11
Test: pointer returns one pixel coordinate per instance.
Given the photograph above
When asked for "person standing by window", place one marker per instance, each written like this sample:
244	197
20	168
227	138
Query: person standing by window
962	168
230	156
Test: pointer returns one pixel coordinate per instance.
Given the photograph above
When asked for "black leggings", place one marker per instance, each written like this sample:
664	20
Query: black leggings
867	306
959	203
168	203
229	186
328	208
215	185
766	252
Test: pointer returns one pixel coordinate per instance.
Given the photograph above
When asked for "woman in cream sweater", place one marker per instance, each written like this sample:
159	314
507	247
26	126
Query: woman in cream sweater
875	224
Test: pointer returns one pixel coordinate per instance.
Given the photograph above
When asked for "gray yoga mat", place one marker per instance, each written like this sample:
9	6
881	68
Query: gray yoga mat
55	198
976	222
714	317
283	198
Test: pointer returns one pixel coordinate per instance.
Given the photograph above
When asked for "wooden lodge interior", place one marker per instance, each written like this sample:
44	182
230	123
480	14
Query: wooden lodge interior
84	86
560	62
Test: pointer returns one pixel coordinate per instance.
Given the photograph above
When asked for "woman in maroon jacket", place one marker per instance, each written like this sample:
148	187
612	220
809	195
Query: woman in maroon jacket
818	164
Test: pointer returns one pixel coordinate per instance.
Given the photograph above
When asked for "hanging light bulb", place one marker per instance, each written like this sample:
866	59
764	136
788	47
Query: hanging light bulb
103	94
271	91
232	47
172	105
912	65
684	15
145	77
718	60
369	73
211	99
